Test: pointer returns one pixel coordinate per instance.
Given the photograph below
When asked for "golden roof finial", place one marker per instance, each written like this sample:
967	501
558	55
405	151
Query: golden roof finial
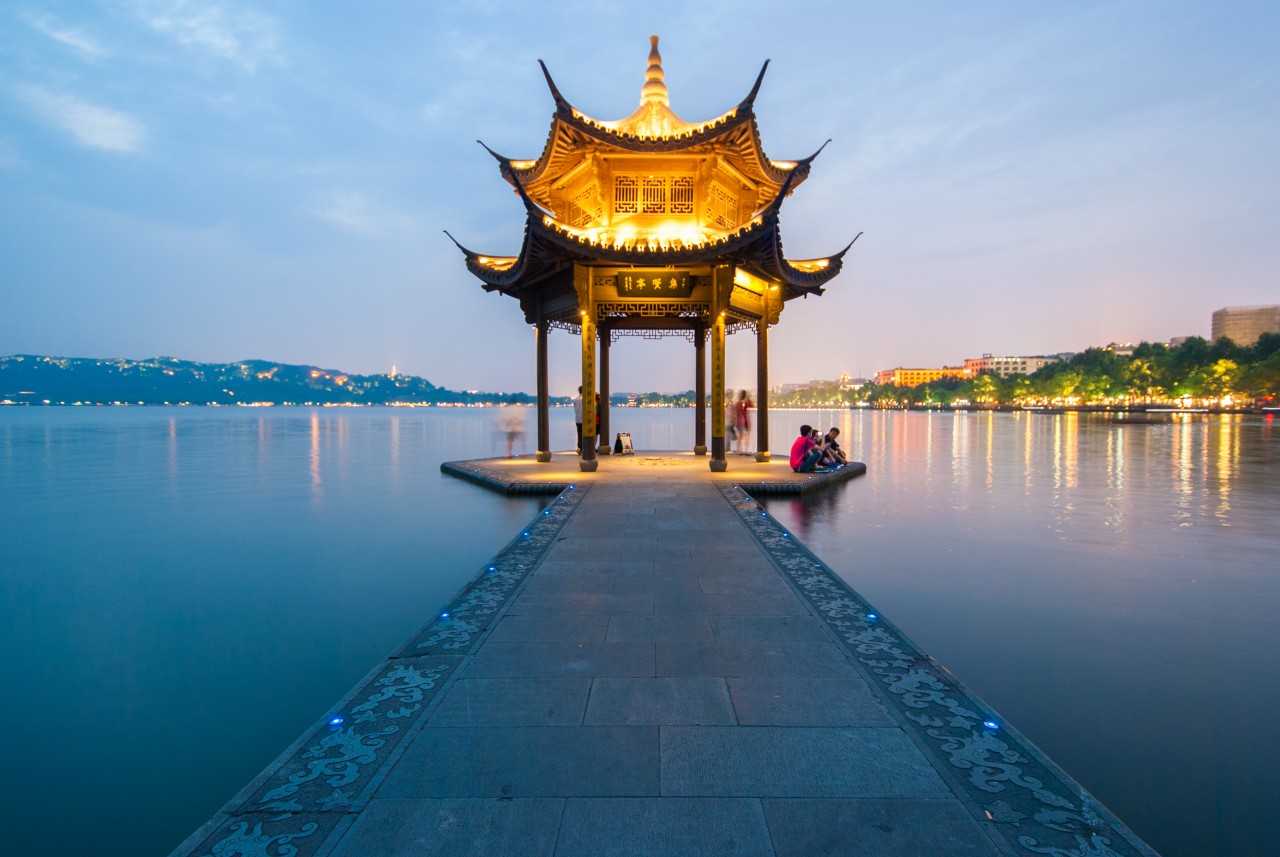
654	90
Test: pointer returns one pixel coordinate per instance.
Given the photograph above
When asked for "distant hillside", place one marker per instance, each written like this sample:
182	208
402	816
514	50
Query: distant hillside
30	379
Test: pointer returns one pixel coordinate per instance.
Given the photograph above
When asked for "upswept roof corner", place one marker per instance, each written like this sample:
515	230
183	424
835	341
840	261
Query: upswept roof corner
749	102
562	104
502	160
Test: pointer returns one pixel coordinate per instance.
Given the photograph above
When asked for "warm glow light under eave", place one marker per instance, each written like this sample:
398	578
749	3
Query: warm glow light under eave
811	265
501	263
665	236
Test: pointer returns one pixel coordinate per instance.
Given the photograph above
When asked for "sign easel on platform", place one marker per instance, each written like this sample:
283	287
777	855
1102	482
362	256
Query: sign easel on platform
622	444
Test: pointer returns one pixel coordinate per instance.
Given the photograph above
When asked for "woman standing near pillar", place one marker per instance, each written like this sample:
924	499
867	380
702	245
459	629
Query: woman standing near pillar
742	423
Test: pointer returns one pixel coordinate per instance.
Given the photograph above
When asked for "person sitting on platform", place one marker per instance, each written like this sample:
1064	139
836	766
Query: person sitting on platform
832	454
805	452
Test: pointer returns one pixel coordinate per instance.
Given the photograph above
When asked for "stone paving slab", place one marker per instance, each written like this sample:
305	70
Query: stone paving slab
795	762
884	828
654	666
735	659
649	827
561	660
768	629
596	566
455	827
613	583
513	702
510	762
579	628
599	603
728	603
806	701
660	702
653	629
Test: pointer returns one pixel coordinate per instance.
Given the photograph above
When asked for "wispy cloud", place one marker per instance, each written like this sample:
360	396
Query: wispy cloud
72	38
89	124
354	212
243	36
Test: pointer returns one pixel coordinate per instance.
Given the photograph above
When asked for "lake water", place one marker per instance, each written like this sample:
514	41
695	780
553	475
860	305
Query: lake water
185	590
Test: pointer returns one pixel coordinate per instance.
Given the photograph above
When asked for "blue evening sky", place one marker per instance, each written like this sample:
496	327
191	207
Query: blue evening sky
226	180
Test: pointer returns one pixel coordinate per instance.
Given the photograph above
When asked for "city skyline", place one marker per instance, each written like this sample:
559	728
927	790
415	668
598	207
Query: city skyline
242	181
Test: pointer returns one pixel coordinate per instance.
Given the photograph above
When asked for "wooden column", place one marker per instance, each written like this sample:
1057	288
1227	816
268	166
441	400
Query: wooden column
544	424
700	389
762	381
587	317
605	336
722	285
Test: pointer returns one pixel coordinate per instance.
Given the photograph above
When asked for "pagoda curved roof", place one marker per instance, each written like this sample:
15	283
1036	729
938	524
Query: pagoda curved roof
654	128
550	246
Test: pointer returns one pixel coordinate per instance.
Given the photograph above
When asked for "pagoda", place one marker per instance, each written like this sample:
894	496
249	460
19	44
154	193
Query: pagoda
650	225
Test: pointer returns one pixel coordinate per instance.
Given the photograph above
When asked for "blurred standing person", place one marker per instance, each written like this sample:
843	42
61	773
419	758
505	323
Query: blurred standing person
577	417
742	422
511	424
730	428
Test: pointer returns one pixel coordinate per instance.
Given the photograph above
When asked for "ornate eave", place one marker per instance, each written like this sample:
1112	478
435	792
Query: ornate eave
549	246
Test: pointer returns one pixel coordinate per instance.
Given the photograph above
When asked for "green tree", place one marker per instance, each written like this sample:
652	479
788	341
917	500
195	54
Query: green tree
984	389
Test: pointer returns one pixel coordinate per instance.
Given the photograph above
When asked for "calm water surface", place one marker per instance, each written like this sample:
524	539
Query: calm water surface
1114	592
184	591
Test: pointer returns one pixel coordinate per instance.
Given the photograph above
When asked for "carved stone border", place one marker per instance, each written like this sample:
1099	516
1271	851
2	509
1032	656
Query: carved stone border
1025	799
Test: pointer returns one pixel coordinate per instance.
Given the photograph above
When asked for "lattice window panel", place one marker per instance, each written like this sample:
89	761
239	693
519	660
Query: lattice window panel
584	208
606	309
722	207
626	195
682	195
662	333
653	195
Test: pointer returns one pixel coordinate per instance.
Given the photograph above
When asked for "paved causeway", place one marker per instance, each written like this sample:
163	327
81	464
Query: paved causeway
655	667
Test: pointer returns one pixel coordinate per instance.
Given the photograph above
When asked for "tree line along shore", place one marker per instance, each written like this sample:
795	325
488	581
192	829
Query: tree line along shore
1197	373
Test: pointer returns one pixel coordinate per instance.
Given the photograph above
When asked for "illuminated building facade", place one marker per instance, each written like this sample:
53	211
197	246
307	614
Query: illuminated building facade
1006	366
650	225
1244	324
914	377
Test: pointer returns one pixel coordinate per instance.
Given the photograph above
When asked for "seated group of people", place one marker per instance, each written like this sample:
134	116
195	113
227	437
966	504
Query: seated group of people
814	452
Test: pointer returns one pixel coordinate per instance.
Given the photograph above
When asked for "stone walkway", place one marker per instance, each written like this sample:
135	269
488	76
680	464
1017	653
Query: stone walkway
656	667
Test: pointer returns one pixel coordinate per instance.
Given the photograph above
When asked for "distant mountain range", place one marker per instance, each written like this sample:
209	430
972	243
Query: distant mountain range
36	380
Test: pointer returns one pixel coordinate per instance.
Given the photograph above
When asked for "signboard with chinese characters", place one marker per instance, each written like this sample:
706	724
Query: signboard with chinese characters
641	283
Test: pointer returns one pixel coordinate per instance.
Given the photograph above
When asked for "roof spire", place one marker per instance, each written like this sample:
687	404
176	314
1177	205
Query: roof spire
654	90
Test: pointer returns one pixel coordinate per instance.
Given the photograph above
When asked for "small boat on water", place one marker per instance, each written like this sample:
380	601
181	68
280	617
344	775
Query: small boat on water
1138	418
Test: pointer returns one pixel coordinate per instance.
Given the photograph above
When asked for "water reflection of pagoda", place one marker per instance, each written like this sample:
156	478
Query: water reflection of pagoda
653	226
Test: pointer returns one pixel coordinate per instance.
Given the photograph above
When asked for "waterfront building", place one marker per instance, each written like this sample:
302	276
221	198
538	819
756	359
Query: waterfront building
1244	324
844	382
915	377
653	226
1006	366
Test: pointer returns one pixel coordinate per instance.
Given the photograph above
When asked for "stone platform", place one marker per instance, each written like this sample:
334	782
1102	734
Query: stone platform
524	475
654	666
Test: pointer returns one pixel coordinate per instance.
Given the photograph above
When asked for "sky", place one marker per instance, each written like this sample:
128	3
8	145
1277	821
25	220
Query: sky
219	181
